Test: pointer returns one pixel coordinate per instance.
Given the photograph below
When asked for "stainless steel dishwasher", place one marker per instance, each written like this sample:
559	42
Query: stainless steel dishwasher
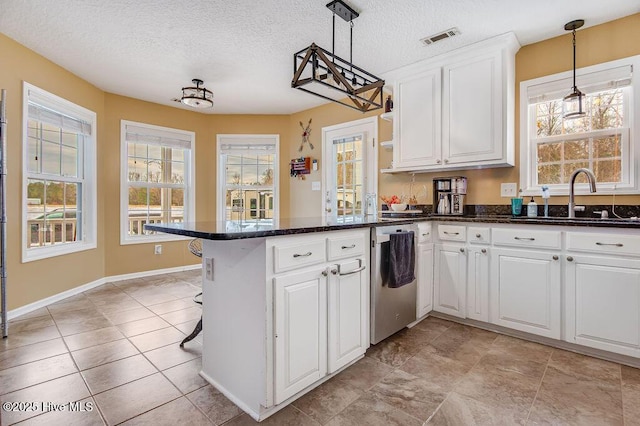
391	308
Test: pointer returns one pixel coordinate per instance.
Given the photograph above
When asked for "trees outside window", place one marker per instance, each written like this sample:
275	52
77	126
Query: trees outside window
606	139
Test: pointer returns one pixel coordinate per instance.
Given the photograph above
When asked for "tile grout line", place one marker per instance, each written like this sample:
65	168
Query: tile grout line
535	398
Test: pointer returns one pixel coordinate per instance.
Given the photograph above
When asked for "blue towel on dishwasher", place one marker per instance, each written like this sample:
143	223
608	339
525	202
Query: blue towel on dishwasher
402	259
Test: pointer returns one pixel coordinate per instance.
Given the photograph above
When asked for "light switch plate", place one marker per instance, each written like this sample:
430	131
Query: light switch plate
508	190
315	186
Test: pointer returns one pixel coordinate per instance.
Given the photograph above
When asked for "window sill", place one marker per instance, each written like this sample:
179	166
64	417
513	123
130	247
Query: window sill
41	253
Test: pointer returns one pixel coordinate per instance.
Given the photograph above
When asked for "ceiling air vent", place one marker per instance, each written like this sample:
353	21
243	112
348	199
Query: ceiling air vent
440	36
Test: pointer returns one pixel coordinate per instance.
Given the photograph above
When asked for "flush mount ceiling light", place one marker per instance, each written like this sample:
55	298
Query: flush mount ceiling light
328	76
197	97
573	103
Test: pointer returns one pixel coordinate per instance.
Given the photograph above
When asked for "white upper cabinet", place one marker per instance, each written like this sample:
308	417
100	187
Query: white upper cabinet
456	111
418	97
472	112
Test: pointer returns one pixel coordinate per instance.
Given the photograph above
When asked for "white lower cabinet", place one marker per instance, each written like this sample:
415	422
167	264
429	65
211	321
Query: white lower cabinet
450	280
603	303
348	313
525	291
320	312
478	283
424	263
300	308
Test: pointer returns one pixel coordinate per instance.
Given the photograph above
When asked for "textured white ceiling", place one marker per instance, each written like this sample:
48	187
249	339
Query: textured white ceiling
243	50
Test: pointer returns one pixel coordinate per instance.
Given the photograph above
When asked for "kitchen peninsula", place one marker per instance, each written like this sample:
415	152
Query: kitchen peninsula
285	307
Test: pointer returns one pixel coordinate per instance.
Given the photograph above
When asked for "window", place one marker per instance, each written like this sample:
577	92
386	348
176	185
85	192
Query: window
59	189
605	140
248	181
157	181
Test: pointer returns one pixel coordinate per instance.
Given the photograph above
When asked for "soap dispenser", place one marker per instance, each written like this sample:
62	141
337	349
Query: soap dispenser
532	208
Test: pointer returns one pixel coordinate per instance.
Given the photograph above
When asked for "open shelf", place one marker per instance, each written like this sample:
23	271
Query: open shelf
387	116
388	145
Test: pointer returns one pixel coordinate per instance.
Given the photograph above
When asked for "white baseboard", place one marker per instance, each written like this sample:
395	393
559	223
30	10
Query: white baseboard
14	313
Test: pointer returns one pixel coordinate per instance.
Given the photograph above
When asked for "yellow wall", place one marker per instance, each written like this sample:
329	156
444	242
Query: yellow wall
602	43
28	282
33	281
123	259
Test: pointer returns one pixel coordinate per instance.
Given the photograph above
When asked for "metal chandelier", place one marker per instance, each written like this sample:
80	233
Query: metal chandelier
322	73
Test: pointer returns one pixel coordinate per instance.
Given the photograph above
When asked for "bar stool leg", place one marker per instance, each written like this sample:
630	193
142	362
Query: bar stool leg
193	334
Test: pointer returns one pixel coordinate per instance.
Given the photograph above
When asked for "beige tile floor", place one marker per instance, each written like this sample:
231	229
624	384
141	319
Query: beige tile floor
115	349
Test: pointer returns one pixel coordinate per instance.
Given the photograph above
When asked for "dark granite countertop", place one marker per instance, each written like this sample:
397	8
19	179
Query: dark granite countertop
292	226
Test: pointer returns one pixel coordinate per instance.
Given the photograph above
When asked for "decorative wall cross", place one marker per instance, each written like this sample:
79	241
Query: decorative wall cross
306	131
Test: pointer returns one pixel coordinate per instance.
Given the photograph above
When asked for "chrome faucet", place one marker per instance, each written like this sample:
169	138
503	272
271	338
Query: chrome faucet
592	187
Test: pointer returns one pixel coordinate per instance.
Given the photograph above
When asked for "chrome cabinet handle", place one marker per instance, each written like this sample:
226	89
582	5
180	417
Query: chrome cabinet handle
610	244
451	233
424	235
348	247
307	254
570	259
555	257
483	250
361	267
438	161
446	160
461	249
478	235
524	239
325	273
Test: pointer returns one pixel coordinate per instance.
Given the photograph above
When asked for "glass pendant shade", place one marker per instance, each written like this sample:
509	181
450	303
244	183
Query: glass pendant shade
573	105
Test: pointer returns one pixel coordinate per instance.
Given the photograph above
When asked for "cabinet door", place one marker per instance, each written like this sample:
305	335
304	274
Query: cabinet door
348	313
300	309
603	303
450	280
525	291
478	283
472	110
417	135
425	279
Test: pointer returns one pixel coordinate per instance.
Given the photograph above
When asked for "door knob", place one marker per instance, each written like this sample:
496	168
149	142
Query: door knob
570	259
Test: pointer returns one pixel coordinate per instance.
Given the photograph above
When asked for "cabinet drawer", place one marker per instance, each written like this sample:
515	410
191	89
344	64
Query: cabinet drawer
524	237
479	235
452	233
604	243
292	256
345	246
424	232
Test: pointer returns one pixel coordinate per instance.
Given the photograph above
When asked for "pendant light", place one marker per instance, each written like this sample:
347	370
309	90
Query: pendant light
573	103
197	97
322	73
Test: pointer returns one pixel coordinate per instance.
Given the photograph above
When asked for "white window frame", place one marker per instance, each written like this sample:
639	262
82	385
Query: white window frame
630	133
244	140
189	212
88	239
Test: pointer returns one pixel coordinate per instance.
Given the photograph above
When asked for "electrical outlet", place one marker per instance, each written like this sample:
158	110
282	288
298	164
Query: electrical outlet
208	268
157	249
508	190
